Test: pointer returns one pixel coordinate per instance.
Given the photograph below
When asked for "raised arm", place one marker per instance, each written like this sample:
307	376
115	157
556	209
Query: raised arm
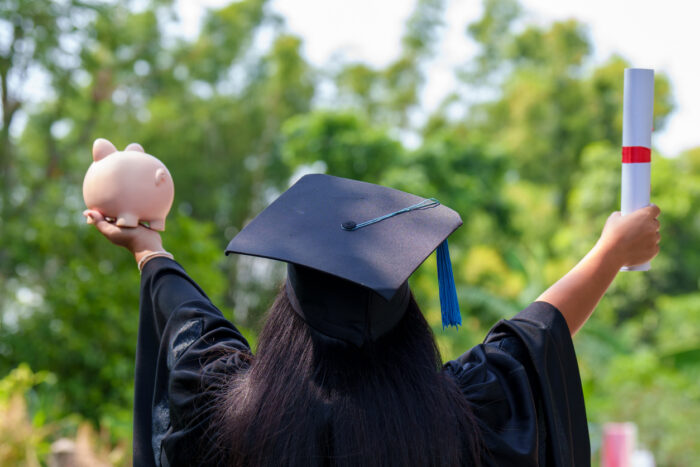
625	241
185	354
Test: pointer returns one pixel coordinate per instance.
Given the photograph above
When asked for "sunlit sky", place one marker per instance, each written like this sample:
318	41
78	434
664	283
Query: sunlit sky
649	34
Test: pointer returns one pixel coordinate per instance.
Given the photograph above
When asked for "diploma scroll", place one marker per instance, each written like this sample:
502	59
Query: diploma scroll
637	125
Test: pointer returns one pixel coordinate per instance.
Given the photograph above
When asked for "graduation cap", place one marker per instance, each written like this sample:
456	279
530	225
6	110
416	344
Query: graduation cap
350	247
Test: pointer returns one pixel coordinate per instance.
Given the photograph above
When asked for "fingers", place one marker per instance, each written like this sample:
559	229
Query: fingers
105	227
92	216
96	218
652	211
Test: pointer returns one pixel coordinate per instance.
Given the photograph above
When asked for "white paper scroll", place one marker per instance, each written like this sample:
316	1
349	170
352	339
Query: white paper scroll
637	125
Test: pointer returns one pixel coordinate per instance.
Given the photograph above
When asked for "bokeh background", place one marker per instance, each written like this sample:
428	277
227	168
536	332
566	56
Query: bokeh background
524	142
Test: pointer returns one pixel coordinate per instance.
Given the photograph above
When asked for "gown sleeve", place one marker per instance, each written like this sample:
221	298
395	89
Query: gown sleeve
185	350
525	390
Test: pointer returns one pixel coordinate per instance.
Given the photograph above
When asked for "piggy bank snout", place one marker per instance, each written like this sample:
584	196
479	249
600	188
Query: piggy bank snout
162	176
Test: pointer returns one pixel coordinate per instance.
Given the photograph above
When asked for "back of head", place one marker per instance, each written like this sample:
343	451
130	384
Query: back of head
347	370
311	399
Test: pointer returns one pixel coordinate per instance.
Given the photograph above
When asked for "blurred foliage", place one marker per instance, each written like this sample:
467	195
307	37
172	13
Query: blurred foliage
25	434
526	150
22	440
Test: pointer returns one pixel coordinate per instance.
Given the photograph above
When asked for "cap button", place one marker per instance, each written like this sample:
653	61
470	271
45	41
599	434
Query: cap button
349	225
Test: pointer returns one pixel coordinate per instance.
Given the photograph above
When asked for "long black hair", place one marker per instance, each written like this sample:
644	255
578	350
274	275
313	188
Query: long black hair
312	400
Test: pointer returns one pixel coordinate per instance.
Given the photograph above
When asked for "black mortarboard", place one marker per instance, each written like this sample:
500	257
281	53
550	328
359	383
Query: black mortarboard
351	247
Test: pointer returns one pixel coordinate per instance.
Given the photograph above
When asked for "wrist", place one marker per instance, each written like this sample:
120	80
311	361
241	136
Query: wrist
142	247
144	257
146	247
608	254
139	255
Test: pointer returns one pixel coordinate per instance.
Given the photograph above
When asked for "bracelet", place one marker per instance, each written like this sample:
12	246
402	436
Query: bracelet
153	254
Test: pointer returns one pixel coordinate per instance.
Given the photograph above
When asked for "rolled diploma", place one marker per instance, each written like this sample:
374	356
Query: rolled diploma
637	124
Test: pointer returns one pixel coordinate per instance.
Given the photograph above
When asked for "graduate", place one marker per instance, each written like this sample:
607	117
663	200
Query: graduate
347	372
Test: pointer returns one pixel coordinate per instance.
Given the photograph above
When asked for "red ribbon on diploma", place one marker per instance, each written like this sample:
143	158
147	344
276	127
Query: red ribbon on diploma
632	154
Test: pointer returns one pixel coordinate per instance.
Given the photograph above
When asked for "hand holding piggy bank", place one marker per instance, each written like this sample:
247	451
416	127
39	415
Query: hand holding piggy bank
130	186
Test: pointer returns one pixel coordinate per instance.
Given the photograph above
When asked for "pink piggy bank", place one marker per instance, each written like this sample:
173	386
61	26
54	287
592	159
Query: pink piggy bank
129	186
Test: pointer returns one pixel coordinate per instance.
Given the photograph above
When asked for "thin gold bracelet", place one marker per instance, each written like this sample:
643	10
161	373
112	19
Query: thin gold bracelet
153	254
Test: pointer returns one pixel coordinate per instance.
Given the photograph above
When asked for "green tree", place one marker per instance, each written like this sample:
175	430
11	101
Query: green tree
532	166
548	106
112	72
388	95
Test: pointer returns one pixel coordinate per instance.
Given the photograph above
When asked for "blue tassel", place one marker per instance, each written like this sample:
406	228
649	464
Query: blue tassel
448	293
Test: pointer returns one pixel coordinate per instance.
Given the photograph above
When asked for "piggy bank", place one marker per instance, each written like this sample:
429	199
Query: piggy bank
128	186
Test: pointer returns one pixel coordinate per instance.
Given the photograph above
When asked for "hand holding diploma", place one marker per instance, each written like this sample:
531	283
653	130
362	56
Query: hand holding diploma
626	241
632	239
637	124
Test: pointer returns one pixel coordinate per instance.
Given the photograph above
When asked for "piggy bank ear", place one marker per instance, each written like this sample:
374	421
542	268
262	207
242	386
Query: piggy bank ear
102	148
134	147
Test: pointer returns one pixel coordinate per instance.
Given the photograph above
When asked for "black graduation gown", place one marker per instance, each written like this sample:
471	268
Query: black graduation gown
184	347
522	382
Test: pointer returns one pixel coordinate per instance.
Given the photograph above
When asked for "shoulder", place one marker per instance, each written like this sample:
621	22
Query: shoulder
524	386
